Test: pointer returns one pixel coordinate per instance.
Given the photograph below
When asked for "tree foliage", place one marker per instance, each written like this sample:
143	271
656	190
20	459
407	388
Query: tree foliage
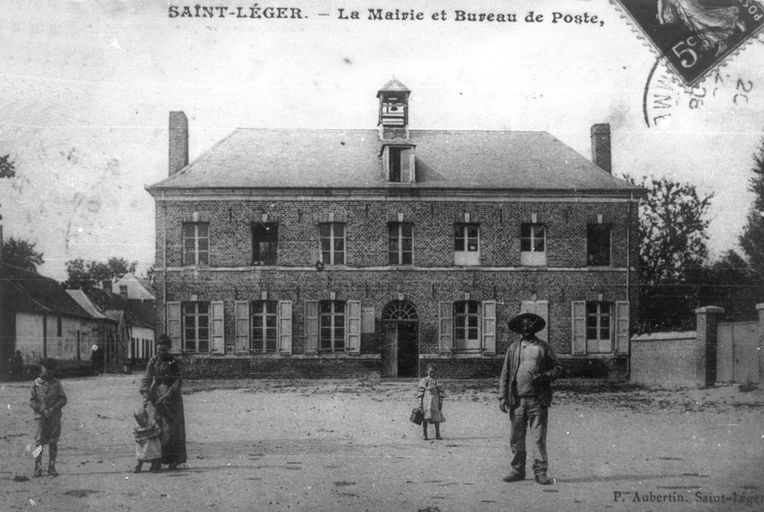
752	238
21	253
673	228
86	273
7	167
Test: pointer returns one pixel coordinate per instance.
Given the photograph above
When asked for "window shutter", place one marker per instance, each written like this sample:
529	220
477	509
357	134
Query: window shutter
218	330
446	327
622	327
242	326
353	326
311	326
406	166
489	327
173	324
285	326
578	319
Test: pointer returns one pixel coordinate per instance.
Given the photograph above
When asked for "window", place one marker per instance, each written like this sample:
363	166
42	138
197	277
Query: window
196	244
598	245
466	325
264	326
332	326
400	166
196	326
400	246
532	244
123	291
332	243
466	244
265	238
599	327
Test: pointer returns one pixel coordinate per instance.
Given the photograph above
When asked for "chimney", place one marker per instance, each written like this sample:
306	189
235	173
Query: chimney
601	146
106	285
178	141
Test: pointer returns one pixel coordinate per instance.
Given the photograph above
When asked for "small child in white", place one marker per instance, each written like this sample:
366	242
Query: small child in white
148	447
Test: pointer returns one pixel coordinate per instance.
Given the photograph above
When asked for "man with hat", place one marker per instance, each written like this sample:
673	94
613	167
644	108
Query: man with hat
525	392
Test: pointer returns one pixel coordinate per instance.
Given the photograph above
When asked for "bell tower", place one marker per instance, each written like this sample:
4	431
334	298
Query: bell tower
393	110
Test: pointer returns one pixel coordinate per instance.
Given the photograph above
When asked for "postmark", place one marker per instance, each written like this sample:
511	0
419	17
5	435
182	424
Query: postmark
725	91
695	36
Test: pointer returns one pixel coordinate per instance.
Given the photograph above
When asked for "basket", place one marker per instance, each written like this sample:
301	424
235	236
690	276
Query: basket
417	415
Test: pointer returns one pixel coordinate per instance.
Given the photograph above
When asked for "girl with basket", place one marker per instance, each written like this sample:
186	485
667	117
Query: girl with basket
430	396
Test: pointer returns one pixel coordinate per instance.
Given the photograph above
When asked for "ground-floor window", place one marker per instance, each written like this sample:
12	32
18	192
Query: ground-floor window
332	326
196	326
600	327
264	315
467	326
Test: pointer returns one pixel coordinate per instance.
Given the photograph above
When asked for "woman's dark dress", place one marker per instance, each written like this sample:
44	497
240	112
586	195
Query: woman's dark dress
162	379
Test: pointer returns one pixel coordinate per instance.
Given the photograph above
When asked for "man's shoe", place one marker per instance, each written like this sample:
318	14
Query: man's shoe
514	477
542	479
52	470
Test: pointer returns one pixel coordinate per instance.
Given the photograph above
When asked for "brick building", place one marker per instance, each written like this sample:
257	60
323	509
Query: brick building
347	252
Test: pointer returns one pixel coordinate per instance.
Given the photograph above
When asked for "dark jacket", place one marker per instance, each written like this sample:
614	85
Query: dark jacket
549	368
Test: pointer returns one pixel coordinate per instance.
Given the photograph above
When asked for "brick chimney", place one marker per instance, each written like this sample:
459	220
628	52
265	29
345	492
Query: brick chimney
178	142
601	146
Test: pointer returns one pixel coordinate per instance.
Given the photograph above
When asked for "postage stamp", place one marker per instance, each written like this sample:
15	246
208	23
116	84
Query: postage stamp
695	35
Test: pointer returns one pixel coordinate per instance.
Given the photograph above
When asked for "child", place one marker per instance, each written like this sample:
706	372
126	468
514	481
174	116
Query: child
148	447
431	402
47	400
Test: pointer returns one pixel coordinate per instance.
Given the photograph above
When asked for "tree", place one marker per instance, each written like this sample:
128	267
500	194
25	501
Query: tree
84	274
752	238
21	253
673	233
7	167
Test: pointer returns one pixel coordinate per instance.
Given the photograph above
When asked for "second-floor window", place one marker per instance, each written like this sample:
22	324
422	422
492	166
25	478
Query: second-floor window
264	326
332	243
196	243
532	244
466	244
265	238
598	245
196	326
331	326
400	243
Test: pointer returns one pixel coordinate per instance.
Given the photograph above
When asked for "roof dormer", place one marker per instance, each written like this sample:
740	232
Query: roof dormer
398	160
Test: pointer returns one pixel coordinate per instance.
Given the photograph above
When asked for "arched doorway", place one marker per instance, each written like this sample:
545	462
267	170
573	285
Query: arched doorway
400	339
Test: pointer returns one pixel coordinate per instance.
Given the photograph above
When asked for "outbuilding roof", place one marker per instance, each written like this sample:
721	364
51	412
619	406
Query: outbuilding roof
350	159
32	293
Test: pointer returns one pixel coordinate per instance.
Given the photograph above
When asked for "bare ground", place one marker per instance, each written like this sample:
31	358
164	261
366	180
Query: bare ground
348	446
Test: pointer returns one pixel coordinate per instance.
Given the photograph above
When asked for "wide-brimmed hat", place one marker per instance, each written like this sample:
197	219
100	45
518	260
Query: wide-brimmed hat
517	322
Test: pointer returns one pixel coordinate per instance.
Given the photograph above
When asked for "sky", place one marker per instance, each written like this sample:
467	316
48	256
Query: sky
86	87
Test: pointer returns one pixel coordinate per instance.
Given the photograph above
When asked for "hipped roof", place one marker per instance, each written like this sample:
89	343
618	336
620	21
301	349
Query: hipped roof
350	159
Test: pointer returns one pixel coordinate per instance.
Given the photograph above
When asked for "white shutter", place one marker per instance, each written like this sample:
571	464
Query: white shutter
446	326
622	327
353	326
173	327
578	326
285	326
311	326
488	329
540	308
218	326
242	326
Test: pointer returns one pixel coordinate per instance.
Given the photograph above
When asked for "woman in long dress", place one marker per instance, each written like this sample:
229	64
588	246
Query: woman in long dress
713	25
430	396
161	386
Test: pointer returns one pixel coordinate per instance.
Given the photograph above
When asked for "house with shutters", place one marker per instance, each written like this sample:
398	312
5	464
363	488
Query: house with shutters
306	253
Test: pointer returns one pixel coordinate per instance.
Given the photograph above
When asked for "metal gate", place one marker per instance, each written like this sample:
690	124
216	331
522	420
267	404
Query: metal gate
737	353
